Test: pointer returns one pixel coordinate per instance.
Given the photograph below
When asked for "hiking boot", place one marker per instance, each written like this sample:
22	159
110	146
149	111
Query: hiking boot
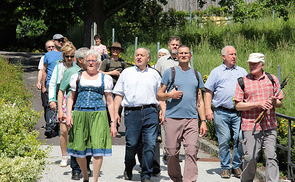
237	172
225	174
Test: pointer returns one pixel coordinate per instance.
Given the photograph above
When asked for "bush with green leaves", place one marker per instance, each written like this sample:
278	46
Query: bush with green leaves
22	158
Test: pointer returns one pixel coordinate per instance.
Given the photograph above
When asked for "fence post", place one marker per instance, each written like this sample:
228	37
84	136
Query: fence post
113	35
158	48
190	17
289	149
93	32
192	60
279	73
135	46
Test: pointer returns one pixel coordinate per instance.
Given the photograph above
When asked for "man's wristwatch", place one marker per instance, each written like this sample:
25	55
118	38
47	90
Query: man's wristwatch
204	121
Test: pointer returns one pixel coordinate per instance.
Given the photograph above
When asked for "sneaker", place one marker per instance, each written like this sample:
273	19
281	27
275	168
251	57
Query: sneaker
225	173
76	176
159	139
237	172
118	135
48	133
127	176
64	161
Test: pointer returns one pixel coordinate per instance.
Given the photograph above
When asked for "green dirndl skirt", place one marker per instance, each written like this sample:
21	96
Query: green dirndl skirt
90	134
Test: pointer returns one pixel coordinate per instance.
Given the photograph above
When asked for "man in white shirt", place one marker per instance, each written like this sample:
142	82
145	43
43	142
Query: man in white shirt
136	91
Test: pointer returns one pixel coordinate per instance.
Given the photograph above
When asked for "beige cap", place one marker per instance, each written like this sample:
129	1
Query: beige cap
256	58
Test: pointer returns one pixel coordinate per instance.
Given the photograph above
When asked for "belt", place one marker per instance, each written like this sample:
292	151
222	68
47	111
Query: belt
226	109
140	107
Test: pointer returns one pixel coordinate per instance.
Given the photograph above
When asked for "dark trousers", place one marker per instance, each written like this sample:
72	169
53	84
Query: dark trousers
156	159
141	127
50	127
75	166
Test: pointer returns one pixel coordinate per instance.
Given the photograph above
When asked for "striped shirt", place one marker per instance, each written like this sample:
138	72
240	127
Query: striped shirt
258	90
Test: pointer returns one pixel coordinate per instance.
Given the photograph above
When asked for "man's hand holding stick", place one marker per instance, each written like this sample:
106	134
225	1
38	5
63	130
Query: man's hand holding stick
262	114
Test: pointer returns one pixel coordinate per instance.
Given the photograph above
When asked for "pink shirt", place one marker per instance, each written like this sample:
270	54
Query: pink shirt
102	49
258	90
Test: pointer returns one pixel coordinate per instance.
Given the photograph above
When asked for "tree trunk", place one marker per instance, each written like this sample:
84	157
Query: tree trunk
95	13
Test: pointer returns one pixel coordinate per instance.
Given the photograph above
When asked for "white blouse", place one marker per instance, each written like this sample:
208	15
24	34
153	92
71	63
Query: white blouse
108	82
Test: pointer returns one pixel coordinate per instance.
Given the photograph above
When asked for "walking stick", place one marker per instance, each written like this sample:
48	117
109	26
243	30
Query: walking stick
262	114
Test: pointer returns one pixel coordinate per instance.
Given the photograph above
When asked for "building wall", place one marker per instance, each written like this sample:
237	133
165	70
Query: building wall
191	5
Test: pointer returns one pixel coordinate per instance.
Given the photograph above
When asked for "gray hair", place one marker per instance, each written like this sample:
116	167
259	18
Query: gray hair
80	53
224	50
163	50
147	50
93	53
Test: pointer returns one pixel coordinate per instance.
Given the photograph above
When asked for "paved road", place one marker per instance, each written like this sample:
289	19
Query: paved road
112	168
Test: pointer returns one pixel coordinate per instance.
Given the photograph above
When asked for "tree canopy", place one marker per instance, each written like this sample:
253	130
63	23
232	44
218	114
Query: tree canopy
29	23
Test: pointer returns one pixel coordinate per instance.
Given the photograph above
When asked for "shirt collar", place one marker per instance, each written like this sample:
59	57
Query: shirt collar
170	57
227	68
137	68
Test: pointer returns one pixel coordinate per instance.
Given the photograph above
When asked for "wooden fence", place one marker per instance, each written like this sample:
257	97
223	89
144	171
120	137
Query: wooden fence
191	5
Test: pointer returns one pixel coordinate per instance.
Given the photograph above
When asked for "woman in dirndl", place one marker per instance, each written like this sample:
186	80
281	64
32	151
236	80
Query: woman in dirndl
90	134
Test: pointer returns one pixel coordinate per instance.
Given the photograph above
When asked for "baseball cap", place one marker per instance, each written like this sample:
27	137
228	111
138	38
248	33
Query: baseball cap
256	58
57	36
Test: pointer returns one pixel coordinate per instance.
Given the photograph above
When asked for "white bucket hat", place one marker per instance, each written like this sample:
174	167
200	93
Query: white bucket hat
256	58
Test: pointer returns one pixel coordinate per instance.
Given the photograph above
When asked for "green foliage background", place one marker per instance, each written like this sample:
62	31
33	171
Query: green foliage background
22	158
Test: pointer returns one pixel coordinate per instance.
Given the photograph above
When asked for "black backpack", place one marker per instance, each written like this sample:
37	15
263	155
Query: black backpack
242	85
173	78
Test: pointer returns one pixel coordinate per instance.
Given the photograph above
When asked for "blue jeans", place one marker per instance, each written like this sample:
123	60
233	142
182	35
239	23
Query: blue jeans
141	125
223	122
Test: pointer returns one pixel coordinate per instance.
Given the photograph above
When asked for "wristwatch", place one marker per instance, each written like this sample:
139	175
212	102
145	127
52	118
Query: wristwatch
204	121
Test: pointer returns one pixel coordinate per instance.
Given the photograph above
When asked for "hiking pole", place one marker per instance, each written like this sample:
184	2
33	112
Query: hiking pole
262	114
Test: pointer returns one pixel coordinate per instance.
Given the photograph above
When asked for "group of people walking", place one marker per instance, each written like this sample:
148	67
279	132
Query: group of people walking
169	94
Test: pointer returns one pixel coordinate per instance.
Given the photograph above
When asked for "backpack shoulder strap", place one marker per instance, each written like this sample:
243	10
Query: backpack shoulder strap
173	70
241	83
77	85
155	70
270	78
108	64
197	76
122	63
78	80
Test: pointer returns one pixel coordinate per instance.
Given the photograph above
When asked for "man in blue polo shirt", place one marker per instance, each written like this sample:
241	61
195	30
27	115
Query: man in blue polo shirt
220	89
49	64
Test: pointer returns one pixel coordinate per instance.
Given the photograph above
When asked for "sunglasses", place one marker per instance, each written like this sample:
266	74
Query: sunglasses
69	56
59	40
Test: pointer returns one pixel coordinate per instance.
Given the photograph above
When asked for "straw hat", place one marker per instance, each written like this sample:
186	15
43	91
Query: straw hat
116	45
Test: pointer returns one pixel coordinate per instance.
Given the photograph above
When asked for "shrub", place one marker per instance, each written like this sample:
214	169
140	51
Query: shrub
22	159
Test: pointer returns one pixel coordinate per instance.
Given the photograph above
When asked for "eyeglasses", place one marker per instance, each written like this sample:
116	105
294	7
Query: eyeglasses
115	49
91	61
70	56
59	40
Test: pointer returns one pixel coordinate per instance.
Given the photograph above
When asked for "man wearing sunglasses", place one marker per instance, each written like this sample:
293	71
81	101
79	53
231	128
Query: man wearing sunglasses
49	64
